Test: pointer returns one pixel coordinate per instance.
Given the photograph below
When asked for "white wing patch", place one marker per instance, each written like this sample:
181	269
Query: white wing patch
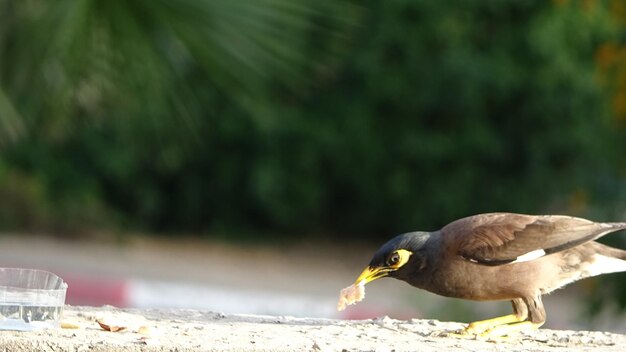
530	256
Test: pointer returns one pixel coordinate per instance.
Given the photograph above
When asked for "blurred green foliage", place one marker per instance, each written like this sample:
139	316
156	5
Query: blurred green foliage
358	119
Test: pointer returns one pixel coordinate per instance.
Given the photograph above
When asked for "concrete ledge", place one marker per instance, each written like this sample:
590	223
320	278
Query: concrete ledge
191	330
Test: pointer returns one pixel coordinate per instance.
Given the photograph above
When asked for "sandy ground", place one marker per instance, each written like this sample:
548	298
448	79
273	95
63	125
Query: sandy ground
190	330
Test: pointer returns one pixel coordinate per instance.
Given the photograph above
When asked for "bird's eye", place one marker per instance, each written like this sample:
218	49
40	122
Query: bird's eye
393	259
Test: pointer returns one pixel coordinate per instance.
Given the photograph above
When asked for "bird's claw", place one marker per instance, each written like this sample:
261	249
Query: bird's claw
470	333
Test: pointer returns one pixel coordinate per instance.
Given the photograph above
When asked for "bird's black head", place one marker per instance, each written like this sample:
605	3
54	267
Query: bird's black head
399	257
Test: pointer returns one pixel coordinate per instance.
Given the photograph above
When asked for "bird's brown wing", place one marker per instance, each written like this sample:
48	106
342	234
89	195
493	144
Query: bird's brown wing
502	238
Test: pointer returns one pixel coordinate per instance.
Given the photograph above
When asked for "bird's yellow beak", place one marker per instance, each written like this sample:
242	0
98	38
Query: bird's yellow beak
371	274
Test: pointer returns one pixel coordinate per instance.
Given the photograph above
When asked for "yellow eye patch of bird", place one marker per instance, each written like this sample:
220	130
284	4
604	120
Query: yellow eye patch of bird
350	295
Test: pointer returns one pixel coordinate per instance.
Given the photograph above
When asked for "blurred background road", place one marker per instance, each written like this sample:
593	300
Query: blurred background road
264	148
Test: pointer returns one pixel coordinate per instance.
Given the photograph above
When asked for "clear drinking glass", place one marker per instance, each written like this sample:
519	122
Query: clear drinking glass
30	299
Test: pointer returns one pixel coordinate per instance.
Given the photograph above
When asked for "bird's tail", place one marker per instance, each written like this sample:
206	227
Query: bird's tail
613	252
610	259
607	259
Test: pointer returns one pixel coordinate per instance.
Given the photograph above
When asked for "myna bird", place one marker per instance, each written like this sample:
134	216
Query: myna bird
500	256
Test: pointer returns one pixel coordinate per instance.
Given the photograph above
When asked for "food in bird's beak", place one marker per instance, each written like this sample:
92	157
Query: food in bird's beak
351	295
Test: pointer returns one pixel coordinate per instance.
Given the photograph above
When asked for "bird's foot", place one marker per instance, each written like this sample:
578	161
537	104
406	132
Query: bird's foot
508	329
479	328
496	329
482	326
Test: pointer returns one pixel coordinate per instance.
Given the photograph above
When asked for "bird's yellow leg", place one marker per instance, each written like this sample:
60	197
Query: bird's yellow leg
507	329
478	327
496	327
490	324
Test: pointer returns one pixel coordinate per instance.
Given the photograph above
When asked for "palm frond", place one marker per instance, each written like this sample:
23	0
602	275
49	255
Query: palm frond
81	59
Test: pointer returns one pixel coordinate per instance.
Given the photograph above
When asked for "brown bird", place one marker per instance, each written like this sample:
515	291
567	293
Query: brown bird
500	256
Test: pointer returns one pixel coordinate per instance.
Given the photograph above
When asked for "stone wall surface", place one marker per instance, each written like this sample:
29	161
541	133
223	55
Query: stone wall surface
193	330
